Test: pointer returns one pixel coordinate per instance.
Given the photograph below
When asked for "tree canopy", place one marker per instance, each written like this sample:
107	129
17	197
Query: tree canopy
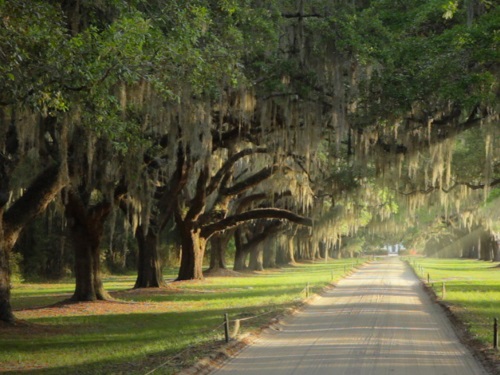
320	120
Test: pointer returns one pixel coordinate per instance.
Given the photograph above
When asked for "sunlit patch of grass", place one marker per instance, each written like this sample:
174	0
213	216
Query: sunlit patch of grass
153	326
472	286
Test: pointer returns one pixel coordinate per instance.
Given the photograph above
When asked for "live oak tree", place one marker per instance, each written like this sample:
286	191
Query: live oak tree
33	167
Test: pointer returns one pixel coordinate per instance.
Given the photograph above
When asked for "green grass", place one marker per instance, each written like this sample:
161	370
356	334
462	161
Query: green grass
472	286
162	324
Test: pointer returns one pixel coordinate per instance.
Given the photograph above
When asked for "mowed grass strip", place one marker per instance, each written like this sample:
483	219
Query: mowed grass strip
146	328
471	286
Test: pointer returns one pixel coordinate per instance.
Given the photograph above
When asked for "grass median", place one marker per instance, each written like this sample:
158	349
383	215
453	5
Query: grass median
147	328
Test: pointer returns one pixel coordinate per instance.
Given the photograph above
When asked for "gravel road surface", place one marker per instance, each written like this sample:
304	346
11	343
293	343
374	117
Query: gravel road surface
378	321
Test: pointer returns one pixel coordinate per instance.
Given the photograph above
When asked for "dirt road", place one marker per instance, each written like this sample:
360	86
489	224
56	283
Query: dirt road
378	321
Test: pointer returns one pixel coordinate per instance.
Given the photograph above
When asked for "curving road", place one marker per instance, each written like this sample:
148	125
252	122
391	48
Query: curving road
378	321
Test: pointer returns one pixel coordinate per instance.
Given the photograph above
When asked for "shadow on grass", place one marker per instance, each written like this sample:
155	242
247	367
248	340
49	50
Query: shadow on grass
124	343
470	287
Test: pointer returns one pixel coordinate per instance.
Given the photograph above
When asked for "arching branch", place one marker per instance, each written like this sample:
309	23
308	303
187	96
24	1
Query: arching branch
251	181
34	201
455	185
226	168
260	213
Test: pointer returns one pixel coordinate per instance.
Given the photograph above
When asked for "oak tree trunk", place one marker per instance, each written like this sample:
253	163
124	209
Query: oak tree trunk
240	260
240	255
32	203
86	230
6	314
149	273
218	246
270	253
485	244
291	250
88	279
193	250
496	249
256	258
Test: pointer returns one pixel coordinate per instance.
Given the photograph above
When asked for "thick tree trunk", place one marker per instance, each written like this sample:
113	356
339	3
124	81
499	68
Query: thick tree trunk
291	250
281	253
240	255
6	314
193	250
256	258
240	259
485	244
89	285
33	202
86	230
496	250
149	273
270	253
218	246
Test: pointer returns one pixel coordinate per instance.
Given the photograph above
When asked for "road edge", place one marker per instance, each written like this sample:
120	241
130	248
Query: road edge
484	354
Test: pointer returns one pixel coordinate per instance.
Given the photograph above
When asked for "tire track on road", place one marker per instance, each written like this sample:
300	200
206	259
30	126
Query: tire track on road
378	321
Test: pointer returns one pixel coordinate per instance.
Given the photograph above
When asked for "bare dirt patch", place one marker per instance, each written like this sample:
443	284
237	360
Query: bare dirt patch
222	272
117	306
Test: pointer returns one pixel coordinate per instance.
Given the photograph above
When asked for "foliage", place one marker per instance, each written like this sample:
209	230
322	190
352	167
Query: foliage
428	60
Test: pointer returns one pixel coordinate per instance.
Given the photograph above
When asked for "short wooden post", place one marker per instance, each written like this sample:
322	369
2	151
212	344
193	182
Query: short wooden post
236	328
428	278
443	291
331	275
226	327
495	333
307	290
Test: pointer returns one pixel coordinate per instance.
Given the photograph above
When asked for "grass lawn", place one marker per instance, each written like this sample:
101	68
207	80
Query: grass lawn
146	328
472	287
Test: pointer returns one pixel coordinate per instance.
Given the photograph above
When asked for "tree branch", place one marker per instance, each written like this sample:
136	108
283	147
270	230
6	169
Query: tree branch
251	181
259	213
226	168
34	201
455	185
197	204
273	227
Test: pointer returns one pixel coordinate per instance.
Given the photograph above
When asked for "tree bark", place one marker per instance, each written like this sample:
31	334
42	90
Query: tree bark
89	285
487	246
291	250
256	258
6	314
86	230
218	245
270	253
149	274
496	249
32	203
240	255
193	250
